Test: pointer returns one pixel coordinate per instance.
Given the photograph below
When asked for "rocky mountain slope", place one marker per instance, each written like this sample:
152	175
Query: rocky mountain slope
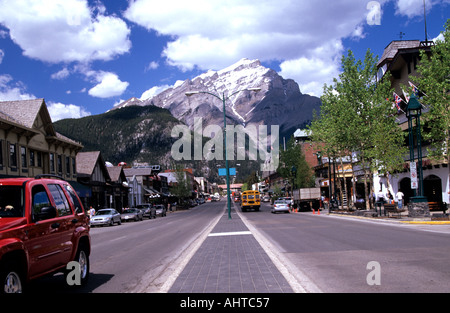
279	101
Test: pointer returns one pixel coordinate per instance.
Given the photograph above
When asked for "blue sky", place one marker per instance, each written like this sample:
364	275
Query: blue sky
83	57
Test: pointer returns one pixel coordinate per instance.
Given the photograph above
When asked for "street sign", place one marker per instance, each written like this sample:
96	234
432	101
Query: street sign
414	181
223	171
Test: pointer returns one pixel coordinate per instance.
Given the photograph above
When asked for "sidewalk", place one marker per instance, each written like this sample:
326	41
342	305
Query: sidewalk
230	260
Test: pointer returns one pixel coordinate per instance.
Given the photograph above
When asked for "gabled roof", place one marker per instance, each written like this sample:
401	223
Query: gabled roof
86	162
116	173
25	113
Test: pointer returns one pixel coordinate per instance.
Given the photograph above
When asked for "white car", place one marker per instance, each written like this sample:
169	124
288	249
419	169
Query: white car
106	217
280	206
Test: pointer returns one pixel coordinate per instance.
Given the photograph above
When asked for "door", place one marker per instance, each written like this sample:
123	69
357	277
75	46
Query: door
43	233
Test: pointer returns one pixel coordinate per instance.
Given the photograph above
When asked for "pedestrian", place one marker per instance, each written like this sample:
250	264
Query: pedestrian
390	198
91	212
380	196
399	195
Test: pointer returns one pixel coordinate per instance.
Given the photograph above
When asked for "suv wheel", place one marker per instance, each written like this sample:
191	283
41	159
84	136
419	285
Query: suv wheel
82	257
11	280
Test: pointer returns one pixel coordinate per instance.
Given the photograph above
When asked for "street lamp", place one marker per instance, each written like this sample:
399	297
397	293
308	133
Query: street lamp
414	111
224	99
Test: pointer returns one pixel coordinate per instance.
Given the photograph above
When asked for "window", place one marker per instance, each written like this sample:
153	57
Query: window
67	166
1	153
61	203
32	161
12	155
39	159
73	196
23	157
52	162
11	201
60	167
40	200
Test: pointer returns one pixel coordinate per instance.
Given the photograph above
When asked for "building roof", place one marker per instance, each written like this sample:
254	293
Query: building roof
391	50
115	172
137	171
25	113
86	162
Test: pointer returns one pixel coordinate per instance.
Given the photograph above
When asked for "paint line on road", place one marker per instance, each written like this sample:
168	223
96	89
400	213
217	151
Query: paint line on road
234	233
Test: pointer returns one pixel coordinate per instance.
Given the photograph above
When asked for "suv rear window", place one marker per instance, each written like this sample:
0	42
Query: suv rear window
11	201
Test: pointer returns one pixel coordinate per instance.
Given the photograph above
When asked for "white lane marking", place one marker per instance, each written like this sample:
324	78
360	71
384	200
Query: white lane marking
234	233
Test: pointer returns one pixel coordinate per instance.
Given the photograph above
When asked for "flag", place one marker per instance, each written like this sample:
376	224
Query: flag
406	96
416	90
397	101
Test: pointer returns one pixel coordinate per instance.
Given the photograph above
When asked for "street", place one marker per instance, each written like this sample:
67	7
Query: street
323	253
333	253
140	256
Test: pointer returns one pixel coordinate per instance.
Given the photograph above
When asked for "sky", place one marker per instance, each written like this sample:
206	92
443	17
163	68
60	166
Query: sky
83	57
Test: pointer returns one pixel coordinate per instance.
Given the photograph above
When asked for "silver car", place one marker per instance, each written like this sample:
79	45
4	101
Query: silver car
132	215
280	206
106	217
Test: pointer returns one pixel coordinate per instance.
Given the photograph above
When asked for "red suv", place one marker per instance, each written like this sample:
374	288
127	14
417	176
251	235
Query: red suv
43	227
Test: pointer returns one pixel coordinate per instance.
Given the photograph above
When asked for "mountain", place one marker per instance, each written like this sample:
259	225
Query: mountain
132	134
279	101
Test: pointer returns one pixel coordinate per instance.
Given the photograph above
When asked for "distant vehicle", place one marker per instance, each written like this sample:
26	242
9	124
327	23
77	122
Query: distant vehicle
250	200
160	210
106	217
147	209
288	200
280	206
132	214
266	198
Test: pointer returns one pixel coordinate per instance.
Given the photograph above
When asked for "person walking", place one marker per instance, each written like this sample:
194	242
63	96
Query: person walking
399	195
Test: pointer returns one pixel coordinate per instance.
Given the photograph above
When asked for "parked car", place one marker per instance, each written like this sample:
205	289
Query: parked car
106	217
148	210
132	214
289	200
280	206
160	210
43	227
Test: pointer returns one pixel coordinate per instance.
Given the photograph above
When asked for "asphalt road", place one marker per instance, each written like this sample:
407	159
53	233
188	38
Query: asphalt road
141	256
333	254
322	253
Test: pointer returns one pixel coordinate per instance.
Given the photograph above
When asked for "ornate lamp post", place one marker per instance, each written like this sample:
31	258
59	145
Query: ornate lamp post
224	99
419	203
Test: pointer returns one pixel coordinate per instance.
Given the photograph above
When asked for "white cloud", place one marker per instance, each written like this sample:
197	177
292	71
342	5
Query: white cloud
212	34
10	90
152	66
59	111
64	30
64	73
2	54
154	91
150	93
109	85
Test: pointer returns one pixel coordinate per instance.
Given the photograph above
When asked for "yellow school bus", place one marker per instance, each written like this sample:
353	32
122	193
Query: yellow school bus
250	199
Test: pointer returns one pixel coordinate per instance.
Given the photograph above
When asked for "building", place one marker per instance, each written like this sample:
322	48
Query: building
401	59
29	144
145	185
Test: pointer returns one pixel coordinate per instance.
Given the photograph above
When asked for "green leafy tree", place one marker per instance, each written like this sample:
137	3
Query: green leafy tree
293	166
356	117
434	81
